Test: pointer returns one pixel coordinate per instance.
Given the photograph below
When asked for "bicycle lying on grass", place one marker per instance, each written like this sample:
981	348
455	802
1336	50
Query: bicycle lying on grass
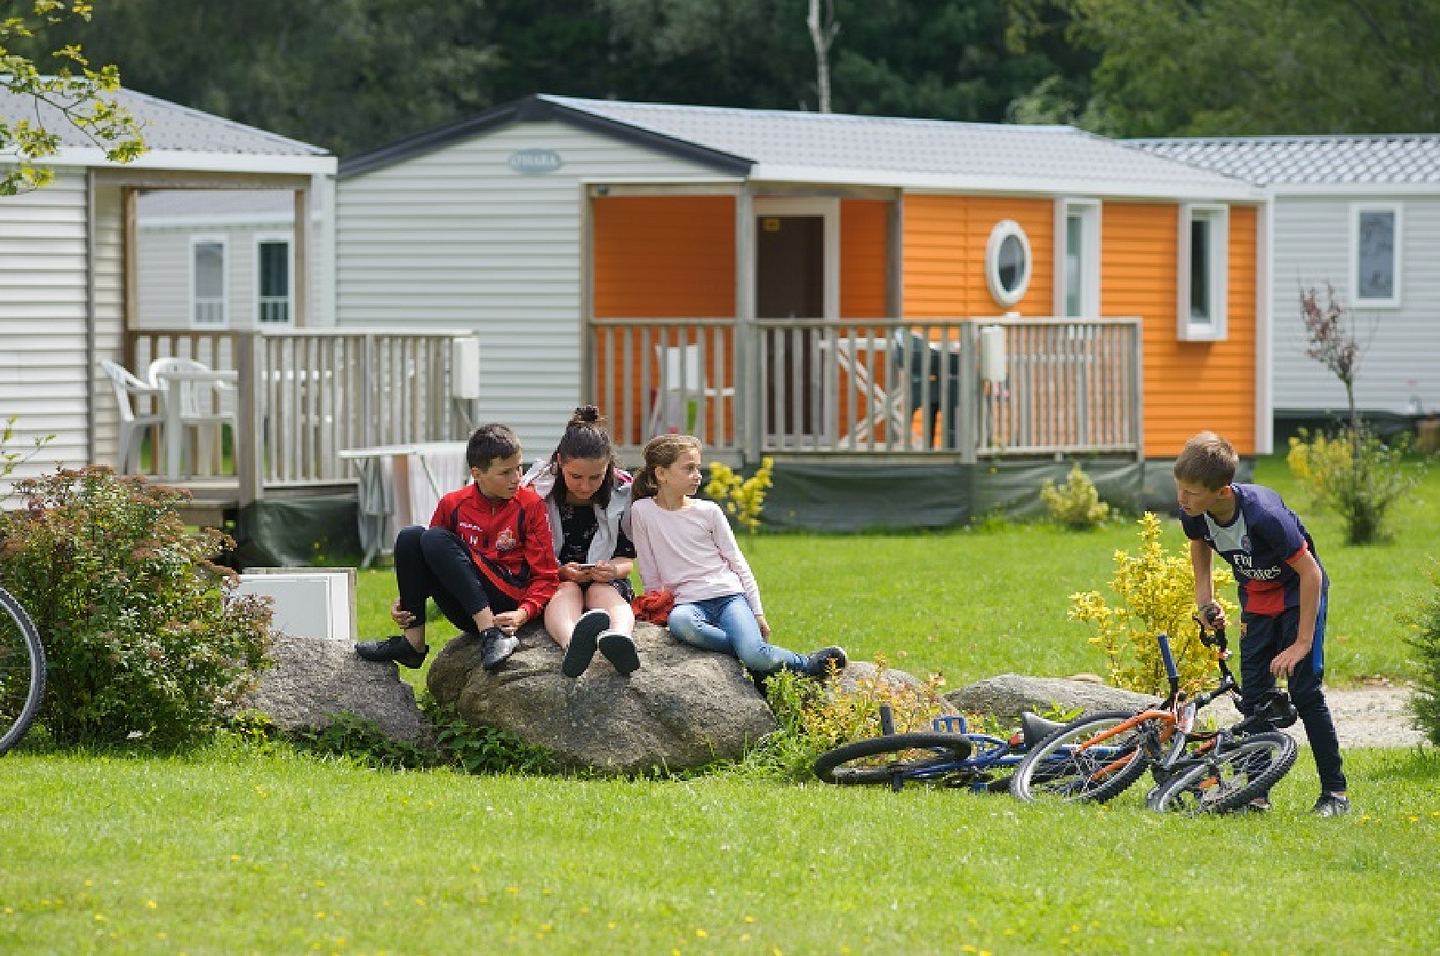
22	671
950	753
1196	771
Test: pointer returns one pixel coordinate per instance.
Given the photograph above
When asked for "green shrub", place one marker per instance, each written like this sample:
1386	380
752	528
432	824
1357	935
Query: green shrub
1355	475
361	740
142	633
1157	596
1076	504
1424	621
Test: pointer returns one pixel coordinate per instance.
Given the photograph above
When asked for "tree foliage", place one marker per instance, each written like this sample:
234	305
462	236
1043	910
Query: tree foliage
1251	67
73	90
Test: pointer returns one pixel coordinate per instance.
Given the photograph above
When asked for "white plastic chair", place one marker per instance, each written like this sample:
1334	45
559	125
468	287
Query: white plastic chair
682	390
206	407
133	423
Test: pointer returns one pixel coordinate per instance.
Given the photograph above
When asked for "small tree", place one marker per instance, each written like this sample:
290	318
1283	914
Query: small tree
1354	473
73	91
1077	503
742	498
1424	622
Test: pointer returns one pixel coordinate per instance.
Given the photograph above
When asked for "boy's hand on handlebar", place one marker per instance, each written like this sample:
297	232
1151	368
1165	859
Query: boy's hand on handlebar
1213	615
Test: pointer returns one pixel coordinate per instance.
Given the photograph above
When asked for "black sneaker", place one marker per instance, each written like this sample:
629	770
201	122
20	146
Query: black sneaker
582	642
817	663
495	647
1332	805
395	649
619	649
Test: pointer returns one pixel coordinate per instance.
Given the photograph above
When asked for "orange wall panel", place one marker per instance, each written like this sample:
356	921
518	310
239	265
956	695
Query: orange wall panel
864	253
1189	386
944	255
664	256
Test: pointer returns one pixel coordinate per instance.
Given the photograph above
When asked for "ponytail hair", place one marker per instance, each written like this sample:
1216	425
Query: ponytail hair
662	451
587	436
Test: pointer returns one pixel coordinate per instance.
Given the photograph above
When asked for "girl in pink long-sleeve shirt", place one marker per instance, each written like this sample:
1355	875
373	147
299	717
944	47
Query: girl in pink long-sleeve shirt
685	546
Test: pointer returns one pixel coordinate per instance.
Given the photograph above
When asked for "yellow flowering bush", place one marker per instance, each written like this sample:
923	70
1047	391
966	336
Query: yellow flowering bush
815	717
742	498
1156	594
1077	503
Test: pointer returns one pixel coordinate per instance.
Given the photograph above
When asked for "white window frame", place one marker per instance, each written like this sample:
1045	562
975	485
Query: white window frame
261	239
1003	230
223	321
1212	328
1393	300
1088	211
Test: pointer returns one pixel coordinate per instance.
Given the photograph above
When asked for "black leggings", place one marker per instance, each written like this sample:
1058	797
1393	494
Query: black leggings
435	563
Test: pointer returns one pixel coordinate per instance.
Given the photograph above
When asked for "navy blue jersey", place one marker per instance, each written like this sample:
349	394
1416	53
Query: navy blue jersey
1259	543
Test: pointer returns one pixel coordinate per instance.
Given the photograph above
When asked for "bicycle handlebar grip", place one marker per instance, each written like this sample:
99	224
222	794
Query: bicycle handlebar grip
1164	641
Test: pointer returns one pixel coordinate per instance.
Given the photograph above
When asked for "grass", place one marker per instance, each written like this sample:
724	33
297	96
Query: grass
973	603
239	853
235	849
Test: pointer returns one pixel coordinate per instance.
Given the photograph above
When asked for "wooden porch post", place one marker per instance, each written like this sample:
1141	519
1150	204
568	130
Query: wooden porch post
748	400
301	279
250	428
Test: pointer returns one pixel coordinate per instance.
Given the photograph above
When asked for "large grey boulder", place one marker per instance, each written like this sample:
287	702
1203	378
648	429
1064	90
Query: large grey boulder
314	679
1008	695
683	708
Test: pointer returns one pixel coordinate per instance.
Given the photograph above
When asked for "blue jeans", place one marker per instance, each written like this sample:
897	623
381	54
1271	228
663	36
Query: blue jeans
727	624
1264	638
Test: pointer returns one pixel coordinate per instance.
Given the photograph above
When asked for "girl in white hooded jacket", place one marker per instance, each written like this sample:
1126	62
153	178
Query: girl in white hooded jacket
587	496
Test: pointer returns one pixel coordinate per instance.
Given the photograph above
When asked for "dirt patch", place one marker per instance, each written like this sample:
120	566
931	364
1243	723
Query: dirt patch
1370	716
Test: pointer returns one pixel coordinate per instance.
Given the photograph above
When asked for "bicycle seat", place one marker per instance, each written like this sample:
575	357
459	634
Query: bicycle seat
1276	708
1034	729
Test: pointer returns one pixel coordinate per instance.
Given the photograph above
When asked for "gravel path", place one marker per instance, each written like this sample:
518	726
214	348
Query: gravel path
1370	716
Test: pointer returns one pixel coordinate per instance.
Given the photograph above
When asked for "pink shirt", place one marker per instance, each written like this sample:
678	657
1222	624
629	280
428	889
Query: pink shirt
690	552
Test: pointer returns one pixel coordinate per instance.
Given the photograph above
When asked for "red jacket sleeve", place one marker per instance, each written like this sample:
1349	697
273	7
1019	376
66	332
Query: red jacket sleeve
540	556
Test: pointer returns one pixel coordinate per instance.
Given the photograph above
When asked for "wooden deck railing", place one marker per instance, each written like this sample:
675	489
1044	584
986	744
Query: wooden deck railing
305	395
966	388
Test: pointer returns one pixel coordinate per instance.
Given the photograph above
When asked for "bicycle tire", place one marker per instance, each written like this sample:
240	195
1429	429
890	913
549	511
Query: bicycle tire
1057	767
919	756
1218	783
22	671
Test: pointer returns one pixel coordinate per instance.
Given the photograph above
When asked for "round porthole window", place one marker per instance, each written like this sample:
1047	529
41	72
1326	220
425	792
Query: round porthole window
1007	262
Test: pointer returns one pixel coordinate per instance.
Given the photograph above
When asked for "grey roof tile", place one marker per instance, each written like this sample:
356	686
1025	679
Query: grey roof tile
1309	160
164	126
900	146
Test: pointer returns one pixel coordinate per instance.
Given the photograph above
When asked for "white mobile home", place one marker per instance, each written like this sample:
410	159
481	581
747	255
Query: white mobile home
225	259
1361	214
70	268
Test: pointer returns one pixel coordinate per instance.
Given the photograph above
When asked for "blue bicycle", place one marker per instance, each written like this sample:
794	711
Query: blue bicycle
949	754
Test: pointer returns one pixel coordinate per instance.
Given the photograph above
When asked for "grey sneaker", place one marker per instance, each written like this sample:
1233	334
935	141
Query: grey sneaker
495	647
619	650
395	649
1332	805
582	642
817	663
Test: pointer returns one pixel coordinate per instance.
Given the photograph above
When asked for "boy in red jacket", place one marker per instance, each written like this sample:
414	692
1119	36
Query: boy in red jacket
486	559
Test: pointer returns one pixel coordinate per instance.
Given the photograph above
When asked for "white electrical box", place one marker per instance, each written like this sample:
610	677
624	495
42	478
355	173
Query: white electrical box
465	367
308	602
993	360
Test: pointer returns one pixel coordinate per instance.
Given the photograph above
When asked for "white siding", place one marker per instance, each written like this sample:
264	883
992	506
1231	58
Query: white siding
164	266
1400	346
109	279
456	238
43	315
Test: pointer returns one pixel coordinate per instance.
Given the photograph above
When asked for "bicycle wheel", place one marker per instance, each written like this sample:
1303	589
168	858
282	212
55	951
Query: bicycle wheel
917	756
1072	765
22	671
1217	783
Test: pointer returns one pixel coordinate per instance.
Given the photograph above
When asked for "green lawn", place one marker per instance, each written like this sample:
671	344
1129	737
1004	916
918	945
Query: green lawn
234	850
